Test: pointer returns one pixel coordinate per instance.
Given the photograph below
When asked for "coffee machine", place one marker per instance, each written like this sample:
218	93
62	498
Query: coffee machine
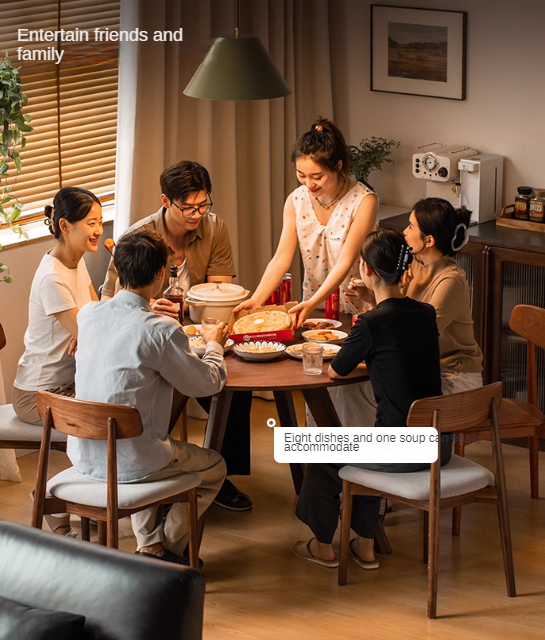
463	177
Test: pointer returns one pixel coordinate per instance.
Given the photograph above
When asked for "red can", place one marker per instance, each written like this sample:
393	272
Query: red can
285	289
354	320
272	299
332	305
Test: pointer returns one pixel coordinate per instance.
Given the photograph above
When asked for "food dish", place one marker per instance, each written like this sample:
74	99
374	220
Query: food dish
198	346
259	350
321	323
331	336
192	330
263	321
296	351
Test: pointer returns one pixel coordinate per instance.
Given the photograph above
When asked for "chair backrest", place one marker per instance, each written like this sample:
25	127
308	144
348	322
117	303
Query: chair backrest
89	420
458	411
2	338
529	322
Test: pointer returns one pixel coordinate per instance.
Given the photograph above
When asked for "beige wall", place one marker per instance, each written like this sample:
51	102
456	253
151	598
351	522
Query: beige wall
503	112
23	262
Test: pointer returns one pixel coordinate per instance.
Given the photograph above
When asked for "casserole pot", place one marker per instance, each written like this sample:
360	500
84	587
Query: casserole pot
214	300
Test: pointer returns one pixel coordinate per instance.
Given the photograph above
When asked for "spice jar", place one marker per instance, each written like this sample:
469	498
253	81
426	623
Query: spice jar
522	203
537	206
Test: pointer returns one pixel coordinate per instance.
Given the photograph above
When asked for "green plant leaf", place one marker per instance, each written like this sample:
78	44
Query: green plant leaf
28	117
23	142
25	128
17	164
3	267
8	279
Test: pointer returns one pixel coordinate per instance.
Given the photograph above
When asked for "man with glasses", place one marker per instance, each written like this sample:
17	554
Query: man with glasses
198	244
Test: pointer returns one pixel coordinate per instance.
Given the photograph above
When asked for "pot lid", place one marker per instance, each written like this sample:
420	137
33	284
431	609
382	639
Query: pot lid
217	292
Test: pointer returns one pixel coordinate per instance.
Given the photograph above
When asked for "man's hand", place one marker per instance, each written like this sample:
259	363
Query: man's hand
165	307
215	333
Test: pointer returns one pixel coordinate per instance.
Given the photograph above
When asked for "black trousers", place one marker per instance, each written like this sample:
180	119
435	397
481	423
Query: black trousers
319	500
236	443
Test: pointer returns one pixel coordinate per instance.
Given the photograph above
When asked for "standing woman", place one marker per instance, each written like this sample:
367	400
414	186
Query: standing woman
61	286
328	216
436	232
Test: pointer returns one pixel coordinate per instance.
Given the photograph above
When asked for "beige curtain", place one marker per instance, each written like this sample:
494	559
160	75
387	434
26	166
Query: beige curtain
245	145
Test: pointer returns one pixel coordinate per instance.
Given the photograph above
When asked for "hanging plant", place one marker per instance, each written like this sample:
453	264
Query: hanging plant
13	127
369	155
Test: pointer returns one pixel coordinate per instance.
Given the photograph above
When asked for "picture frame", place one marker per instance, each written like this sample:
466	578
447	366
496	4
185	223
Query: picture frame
419	52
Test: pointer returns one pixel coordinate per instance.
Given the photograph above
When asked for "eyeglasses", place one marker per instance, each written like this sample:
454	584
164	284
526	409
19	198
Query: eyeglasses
189	212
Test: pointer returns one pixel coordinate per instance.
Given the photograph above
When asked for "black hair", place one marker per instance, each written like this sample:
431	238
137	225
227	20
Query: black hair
448	226
183	178
387	253
71	203
324	144
139	256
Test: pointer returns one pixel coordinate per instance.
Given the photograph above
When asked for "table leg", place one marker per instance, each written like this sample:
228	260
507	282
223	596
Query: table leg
217	420
321	406
178	405
288	420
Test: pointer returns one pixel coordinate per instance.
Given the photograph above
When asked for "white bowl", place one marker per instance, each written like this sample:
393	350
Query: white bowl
296	351
309	336
200	350
336	323
192	335
246	350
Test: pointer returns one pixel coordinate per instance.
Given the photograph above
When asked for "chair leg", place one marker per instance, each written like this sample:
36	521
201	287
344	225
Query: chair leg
505	535
533	449
459	450
85	530
193	535
346	519
425	533
382	544
112	533
433	560
102	533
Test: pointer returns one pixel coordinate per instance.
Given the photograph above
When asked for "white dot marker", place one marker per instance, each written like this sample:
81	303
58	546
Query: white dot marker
271	422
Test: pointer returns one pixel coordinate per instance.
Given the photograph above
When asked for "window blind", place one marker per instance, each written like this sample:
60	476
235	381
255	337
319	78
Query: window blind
73	104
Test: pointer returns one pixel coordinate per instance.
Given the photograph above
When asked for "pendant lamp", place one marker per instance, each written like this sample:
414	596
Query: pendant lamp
237	68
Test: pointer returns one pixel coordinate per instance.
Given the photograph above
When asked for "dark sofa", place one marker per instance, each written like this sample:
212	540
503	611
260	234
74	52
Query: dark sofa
122	596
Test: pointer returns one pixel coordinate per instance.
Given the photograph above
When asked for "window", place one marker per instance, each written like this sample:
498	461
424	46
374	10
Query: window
73	104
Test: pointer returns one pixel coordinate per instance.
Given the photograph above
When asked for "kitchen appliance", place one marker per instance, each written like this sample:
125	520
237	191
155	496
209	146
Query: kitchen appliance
215	300
438	165
481	185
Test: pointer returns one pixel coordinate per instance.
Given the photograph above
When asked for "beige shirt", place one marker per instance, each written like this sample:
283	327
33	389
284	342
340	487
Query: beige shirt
208	251
443	285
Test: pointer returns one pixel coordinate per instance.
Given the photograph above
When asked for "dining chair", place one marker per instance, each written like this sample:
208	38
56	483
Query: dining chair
109	501
518	418
16	434
459	482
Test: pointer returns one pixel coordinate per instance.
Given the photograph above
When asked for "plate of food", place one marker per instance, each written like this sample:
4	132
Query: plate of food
321	324
192	330
296	351
259	350
331	336
198	345
263	322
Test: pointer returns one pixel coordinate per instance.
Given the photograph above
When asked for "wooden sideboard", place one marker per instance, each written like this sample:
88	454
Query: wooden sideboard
504	267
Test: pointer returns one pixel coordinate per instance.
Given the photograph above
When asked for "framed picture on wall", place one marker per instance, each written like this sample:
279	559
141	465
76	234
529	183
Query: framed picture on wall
420	52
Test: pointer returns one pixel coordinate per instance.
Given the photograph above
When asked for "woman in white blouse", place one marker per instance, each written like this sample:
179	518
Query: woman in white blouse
61	286
329	216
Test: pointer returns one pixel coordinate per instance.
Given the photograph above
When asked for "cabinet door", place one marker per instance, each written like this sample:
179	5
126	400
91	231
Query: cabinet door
473	259
518	277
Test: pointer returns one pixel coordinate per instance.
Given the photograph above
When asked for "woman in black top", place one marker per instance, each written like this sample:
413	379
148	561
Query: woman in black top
399	342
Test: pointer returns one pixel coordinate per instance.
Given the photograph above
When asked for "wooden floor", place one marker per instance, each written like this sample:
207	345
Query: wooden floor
257	588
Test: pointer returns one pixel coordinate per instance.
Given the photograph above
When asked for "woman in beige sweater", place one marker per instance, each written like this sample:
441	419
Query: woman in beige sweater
436	232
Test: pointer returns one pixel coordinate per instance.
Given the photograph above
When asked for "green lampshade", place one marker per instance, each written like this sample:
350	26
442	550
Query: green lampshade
237	69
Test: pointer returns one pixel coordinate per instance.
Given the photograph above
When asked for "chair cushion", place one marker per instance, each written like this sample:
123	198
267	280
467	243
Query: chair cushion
458	476
21	621
70	486
11	428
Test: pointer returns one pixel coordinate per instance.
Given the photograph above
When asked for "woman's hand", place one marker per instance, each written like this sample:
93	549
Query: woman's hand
247	304
165	307
302	311
357	289
72	347
405	281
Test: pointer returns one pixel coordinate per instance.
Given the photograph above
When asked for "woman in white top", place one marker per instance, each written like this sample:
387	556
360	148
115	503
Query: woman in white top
61	286
329	216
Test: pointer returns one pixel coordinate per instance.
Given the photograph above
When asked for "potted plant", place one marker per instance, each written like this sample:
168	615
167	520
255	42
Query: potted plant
13	127
369	155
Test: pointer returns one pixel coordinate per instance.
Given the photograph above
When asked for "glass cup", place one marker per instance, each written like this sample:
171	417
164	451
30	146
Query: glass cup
210	321
313	358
